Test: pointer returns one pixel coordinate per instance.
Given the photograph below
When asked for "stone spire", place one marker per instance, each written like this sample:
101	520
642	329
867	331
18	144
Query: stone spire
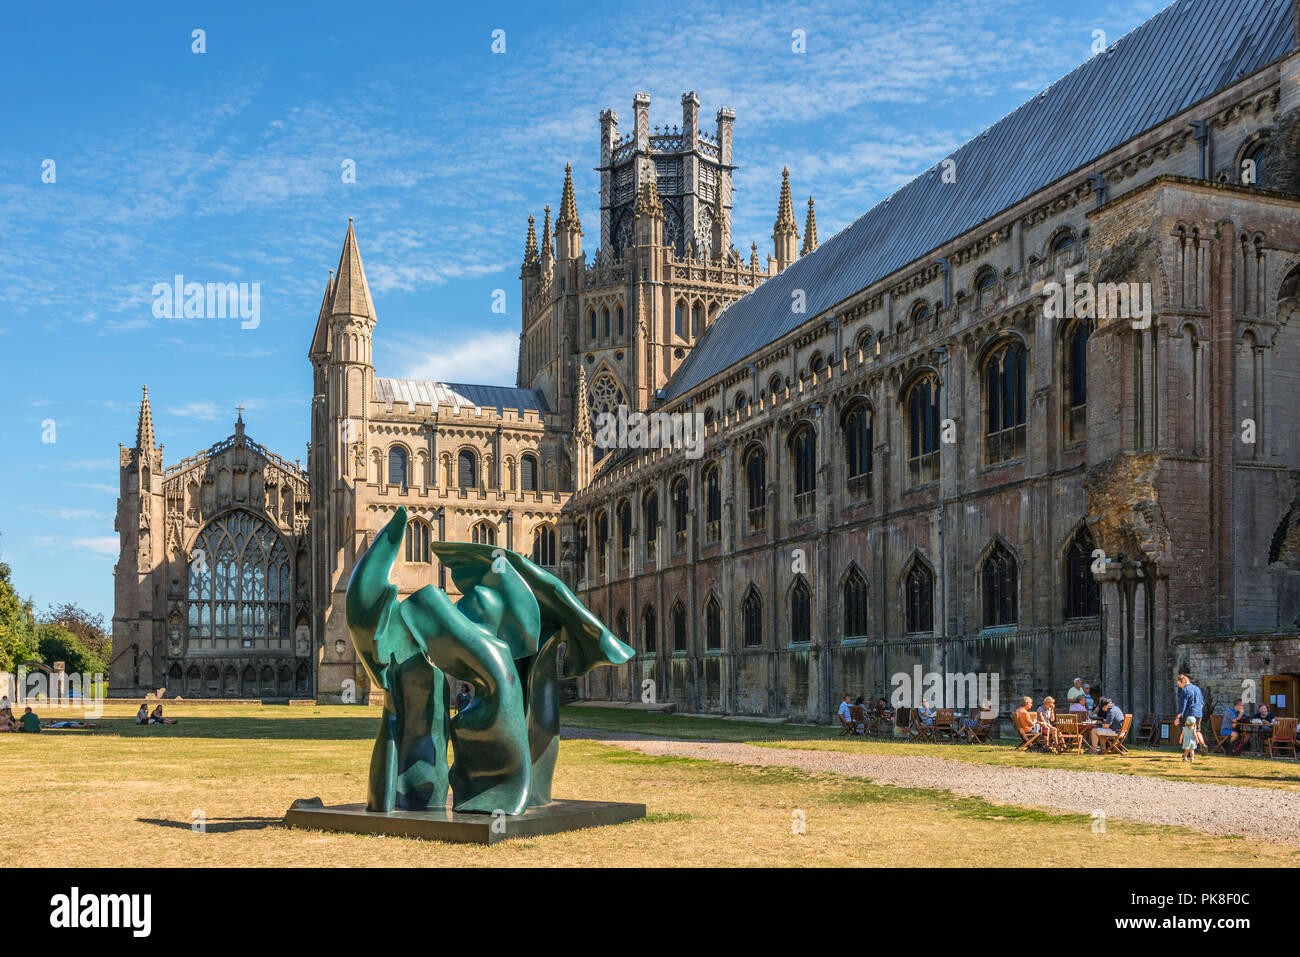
351	291
548	243
753	255
648	201
809	231
582	418
568	205
144	427
320	340
531	257
785	235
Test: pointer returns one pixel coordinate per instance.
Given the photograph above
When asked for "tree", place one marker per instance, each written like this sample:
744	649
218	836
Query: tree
87	627
56	643
16	639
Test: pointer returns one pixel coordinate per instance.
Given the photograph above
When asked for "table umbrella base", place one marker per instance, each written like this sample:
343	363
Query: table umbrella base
444	824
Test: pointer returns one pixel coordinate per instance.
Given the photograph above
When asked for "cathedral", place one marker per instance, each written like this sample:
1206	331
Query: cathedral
915	458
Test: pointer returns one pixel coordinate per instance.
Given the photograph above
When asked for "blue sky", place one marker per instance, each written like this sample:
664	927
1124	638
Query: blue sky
226	166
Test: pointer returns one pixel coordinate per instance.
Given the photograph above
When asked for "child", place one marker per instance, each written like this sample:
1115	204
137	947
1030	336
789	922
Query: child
1189	740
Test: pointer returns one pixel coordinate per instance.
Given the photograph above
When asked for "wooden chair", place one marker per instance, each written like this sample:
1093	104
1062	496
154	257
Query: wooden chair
1283	736
1218	737
858	717
1028	738
1115	743
846	724
1146	729
983	732
944	719
1068	726
905	720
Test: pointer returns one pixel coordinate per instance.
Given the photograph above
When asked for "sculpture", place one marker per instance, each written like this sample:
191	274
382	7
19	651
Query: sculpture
502	637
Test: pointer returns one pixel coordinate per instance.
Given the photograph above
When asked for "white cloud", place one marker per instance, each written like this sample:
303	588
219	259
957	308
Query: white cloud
490	358
100	545
195	410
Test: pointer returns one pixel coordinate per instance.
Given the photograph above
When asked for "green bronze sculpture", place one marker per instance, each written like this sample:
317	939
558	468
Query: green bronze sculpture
503	637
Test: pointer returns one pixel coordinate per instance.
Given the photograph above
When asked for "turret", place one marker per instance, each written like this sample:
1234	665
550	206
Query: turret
785	235
568	230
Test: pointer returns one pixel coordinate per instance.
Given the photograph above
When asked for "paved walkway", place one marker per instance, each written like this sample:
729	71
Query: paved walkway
1261	813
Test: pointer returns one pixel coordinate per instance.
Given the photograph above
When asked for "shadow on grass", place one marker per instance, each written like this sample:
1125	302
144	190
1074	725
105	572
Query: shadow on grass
290	729
218	825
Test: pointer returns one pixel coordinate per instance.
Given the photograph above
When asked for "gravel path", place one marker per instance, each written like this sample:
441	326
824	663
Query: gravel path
1265	814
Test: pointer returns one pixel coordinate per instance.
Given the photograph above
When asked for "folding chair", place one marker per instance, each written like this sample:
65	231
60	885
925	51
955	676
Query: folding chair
1068	726
1220	739
944	720
1283	736
858	717
981	732
1146	729
1115	742
1028	738
846	724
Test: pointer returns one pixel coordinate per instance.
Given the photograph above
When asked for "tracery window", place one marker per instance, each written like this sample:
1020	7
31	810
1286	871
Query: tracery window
1082	593
923	430
1004	399
544	544
753	615
855	604
239	586
604	396
417	541
712	625
800	611
859	426
483	533
1000	577
919	595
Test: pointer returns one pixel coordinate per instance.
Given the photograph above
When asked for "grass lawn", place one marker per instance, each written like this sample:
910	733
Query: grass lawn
1262	772
127	796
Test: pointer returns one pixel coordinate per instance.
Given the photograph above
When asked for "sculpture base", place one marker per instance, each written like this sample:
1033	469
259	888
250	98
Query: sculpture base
459	828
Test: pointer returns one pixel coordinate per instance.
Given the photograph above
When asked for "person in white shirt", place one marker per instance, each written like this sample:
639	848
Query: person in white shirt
1076	691
142	716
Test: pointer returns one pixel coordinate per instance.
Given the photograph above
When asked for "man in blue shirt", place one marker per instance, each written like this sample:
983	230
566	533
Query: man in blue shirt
1191	704
1236	740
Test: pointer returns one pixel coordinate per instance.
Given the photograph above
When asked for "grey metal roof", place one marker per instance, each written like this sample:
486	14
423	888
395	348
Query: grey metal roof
1182	55
412	391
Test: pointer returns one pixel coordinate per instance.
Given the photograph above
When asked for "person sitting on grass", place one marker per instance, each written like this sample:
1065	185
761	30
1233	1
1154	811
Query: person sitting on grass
142	716
157	717
1112	722
7	720
1189	740
29	721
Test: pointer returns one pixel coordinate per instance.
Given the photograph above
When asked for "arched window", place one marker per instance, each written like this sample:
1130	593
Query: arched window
649	630
620	320
920	312
855	604
985	280
466	469
775	386
483	533
756	486
580	545
417	541
1001	580
1082	594
602	540
1062	247
923	430
800	611
528	473
240	593
863	343
591	318
679	323
712	503
1076	381
816	364
604	396
544	544
712	625
681	510
1004	401
752	608
624	513
620	627
803	455
740	402
678	616
709	416
695	319
859	429
650	521
918	586
397	466
604	318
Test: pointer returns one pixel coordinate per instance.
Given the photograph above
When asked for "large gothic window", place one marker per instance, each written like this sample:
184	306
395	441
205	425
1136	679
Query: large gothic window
756	486
1000	578
922	403
624	533
858	437
604	396
1004	401
649	630
239	586
855	604
918	588
397	466
803	453
753	615
417	541
678	616
1082	594
650	522
712	625
681	510
544	544
712	504
800	611
602	540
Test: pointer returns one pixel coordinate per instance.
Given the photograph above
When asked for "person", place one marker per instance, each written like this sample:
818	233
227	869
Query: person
883	709
1264	714
7	720
1087	695
1112	723
1047	718
1232	717
29	721
1026	720
925	714
1189	740
464	698
142	716
1079	705
845	715
157	717
1076	691
1191	704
